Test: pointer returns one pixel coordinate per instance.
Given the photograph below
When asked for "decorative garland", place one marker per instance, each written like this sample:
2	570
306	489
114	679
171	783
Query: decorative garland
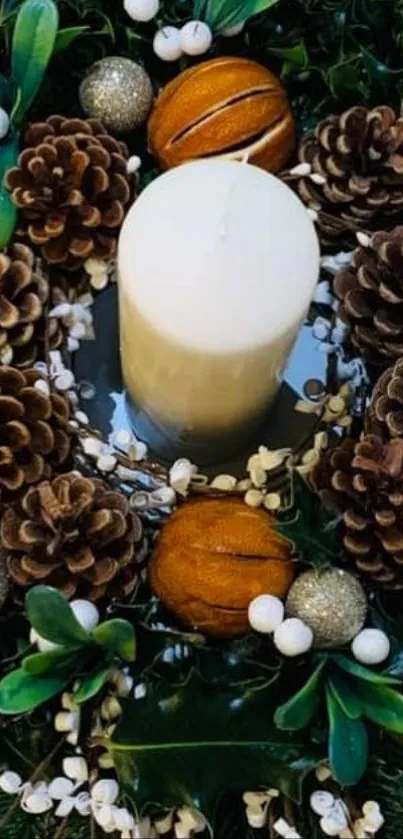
148	688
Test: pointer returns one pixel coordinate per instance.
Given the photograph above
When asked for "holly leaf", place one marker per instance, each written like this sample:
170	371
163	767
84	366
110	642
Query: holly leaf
313	529
190	744
348	742
52	617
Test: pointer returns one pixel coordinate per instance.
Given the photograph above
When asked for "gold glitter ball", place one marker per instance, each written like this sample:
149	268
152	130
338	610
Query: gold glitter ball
331	602
118	92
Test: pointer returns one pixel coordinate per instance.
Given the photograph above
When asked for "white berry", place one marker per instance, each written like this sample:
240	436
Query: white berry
265	613
10	782
4	123
196	37
141	10
371	646
293	637
43	645
321	802
231	31
86	613
167	44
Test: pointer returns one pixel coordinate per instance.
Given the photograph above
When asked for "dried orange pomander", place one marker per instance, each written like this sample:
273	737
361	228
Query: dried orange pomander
229	107
212	558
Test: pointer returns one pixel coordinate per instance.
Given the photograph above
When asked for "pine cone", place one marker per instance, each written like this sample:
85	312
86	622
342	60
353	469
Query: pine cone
384	416
71	187
24	291
33	439
73	533
356	162
364	480
371	294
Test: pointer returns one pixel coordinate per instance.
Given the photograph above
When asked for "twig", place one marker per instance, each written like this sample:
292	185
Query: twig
60	831
34	777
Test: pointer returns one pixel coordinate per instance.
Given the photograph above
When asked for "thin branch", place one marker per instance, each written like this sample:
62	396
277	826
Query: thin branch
34	777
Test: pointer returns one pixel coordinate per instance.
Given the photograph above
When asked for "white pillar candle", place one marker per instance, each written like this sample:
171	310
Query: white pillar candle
218	261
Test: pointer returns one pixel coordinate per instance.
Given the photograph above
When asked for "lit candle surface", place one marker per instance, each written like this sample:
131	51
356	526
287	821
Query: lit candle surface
218	261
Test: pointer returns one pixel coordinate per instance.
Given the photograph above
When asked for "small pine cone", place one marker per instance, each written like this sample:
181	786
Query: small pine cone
356	161
76	535
371	295
364	481
384	416
71	188
33	437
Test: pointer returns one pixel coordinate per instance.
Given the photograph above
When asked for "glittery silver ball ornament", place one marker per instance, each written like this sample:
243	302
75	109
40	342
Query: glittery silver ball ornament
331	602
118	92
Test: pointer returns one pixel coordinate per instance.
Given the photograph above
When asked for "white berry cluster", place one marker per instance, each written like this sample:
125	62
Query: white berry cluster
336	820
63	380
99	272
291	636
76	318
257	806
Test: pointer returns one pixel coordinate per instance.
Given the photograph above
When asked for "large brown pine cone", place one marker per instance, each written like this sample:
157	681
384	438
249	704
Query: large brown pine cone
371	295
71	188
75	534
384	416
364	480
356	161
33	436
24	291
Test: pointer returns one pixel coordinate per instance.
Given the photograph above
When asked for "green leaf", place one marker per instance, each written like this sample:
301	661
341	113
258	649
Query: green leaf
222	13
313	530
20	692
295	59
33	42
53	618
301	708
382	705
189	744
345	694
91	685
348	743
65	37
55	660
118	637
8	210
354	669
6	93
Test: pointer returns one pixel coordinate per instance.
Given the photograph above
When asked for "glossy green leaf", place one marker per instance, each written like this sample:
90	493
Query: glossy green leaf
300	709
220	14
347	697
354	669
313	529
33	43
91	685
67	36
190	743
52	617
51	662
295	58
8	210
118	637
382	705
6	93
348	743
20	692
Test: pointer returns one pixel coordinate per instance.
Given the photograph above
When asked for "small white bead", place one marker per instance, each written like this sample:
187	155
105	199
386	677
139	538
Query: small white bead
371	646
4	123
254	498
133	164
224	482
363	239
232	31
99	281
123	819
301	169
140	691
167	44
92	446
68	702
37	803
196	37
181	474
75	768
321	802
81	417
66	721
64	381
137	451
72	737
106	462
317	179
265	613
65	807
62	310
60	788
281	827
10	782
293	637
162	497
78	331
83	803
105	791
124	685
141	10
257	816
103	815
323	772
72	344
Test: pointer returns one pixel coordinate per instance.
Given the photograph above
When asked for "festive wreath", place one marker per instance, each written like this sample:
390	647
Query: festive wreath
184	653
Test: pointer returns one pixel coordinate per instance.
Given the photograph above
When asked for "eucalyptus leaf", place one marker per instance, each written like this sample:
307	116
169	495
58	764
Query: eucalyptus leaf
300	709
20	692
221	14
67	36
348	743
50	662
354	669
53	618
382	705
33	43
345	694
118	637
8	210
191	743
91	685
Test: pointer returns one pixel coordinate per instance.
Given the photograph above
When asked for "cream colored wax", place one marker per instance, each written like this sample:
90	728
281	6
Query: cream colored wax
217	265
